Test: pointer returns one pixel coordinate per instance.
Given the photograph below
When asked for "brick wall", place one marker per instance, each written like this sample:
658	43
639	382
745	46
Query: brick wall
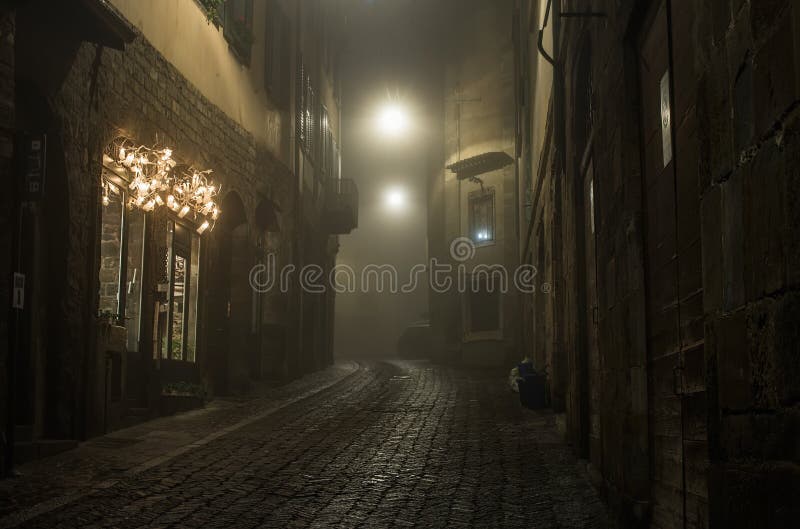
110	248
138	94
714	440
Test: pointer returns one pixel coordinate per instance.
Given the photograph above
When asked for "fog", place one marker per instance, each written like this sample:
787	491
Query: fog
385	63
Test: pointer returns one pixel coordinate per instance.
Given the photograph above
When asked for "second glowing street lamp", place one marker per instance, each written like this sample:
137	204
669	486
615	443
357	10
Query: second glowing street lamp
393	123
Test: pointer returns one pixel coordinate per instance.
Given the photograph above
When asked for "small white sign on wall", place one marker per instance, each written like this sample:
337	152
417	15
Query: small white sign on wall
666	119
18	298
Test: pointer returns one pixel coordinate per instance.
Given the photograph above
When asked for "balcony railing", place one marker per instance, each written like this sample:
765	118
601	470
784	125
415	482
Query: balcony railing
341	205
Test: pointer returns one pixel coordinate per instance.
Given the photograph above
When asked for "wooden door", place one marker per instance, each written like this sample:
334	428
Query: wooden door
677	403
240	312
593	360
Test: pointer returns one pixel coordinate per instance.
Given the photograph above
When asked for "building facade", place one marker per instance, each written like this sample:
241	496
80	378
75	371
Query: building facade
472	225
138	297
656	195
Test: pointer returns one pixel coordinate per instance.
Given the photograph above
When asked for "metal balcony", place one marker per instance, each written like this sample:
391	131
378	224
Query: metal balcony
341	205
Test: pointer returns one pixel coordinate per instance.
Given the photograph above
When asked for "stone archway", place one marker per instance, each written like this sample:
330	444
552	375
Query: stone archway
270	358
228	329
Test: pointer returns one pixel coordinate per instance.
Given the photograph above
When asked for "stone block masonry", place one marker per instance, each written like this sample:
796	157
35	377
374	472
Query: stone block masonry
7	30
138	94
697	260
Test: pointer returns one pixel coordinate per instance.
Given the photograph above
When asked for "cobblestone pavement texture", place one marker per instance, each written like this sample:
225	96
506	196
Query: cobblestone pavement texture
390	444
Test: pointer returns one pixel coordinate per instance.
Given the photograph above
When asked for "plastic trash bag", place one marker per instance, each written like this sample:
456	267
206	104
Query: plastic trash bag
513	379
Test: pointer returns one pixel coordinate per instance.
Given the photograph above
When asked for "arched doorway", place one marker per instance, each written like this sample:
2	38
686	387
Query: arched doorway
313	303
229	300
270	359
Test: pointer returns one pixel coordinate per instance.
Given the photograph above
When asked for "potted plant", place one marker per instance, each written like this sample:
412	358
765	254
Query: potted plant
213	9
110	319
178	397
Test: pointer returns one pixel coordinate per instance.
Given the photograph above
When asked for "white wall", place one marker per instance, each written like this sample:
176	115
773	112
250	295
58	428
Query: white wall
179	30
541	82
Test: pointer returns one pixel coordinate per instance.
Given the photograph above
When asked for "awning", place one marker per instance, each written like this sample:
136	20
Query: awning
49	34
481	164
105	25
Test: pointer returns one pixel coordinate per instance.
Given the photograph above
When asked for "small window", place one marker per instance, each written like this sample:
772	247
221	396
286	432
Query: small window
306	112
238	27
121	260
481	217
111	246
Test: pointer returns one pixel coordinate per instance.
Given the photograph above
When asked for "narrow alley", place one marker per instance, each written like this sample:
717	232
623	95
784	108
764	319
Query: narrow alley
400	263
373	444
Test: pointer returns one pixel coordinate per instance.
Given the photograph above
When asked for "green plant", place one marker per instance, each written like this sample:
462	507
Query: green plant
214	10
240	36
109	318
184	389
177	349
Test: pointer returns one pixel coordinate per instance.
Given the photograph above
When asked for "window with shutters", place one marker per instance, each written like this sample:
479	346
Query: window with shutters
299	123
238	27
276	56
306	122
325	140
309	107
337	161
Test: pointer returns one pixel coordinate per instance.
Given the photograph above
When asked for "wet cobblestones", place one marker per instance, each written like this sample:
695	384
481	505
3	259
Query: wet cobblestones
391	445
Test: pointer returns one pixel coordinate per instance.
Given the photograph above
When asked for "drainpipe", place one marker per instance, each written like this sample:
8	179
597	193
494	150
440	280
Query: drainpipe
557	94
546	56
559	91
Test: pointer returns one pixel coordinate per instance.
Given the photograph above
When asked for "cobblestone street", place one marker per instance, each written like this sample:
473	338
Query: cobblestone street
382	444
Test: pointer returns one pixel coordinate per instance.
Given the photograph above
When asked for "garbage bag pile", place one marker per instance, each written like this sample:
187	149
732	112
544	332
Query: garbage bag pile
529	383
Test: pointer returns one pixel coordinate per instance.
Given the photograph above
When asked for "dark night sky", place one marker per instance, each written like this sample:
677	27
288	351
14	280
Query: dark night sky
388	58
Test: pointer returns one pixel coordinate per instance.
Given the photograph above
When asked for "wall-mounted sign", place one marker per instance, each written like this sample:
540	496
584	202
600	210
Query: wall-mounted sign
34	167
666	120
18	297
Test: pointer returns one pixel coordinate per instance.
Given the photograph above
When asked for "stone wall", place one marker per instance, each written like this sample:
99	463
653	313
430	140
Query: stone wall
110	248
6	198
138	94
603	393
748	84
697	419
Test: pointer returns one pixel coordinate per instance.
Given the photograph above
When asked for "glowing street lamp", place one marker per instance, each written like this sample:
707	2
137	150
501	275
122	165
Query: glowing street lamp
393	120
395	199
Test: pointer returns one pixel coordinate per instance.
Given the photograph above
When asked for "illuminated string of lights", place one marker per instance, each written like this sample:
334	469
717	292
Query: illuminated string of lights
156	179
